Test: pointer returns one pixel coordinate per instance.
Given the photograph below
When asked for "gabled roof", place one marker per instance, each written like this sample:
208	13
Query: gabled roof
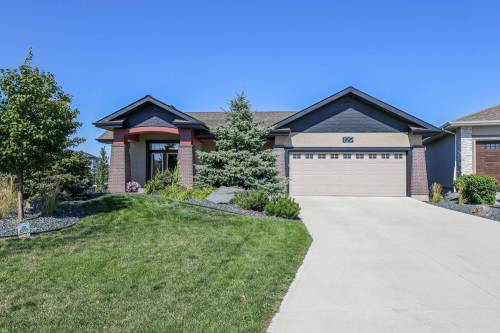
424	126
116	118
489	114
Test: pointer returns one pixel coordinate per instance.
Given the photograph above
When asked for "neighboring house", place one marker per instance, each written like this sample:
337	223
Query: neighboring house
467	145
347	144
94	160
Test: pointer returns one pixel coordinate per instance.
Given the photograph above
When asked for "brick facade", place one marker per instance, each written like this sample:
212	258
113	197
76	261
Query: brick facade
280	161
185	160
119	168
418	178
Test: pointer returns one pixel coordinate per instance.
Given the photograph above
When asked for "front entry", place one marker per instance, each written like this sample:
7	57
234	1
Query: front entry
161	156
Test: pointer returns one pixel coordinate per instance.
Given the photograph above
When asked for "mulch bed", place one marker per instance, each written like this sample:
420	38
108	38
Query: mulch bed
68	214
486	211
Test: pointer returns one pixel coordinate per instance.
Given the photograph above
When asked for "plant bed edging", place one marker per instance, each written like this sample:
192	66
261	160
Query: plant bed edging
230	208
485	211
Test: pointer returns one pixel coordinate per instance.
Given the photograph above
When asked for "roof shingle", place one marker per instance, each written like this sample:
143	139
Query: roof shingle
492	113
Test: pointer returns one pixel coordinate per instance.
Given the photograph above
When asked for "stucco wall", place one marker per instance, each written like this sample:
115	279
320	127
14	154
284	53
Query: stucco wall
335	140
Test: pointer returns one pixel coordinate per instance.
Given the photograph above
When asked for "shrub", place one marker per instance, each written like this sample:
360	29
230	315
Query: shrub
252	199
175	179
8	196
49	201
436	194
180	193
283	207
476	189
160	181
132	186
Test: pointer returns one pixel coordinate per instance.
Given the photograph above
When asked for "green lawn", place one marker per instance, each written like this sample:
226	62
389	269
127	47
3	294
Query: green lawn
141	264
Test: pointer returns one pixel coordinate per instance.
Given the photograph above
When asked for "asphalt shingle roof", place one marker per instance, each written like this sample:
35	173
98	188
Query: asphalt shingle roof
492	113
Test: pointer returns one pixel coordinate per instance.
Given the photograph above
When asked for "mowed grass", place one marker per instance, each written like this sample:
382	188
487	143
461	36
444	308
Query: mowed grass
142	264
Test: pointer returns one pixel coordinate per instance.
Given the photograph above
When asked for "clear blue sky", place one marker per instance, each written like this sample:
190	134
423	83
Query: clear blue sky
435	59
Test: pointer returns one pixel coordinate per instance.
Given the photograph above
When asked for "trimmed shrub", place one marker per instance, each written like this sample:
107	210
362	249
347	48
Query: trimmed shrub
283	207
180	193
436	194
160	181
476	189
8	196
132	186
252	199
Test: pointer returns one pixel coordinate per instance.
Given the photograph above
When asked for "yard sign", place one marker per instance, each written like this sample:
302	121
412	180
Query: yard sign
24	230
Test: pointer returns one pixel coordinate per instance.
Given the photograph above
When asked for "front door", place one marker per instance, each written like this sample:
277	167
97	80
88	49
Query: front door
161	156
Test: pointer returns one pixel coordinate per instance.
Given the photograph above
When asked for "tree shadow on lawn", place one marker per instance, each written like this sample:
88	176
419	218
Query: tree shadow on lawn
91	227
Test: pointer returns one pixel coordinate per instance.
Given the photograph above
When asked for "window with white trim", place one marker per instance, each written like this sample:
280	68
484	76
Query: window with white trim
321	156
385	156
334	156
296	156
372	156
309	156
360	156
346	156
398	156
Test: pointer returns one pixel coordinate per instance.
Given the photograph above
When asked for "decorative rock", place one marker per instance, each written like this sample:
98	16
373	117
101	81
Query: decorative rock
223	195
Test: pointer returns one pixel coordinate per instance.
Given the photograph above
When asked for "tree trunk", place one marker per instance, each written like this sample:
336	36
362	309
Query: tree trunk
20	196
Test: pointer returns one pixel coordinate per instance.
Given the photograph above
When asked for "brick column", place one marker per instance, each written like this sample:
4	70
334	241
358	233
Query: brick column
419	187
185	156
280	161
119	168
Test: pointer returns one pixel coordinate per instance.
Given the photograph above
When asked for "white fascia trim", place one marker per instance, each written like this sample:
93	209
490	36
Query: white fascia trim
453	124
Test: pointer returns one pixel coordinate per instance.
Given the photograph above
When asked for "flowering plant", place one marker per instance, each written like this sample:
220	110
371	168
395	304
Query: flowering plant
132	186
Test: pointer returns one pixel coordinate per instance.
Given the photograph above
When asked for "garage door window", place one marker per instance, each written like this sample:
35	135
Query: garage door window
296	156
309	156
347	156
385	156
321	156
491	146
372	156
334	156
398	156
360	156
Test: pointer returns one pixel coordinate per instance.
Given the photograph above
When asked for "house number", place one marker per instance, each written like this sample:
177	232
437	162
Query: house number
348	139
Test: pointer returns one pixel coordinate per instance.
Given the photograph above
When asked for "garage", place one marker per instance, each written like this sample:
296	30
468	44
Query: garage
348	173
488	158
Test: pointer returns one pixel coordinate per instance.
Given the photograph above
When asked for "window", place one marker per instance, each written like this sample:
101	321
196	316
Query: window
321	156
346	156
161	156
372	156
491	146
360	156
296	156
385	156
159	146
398	156
309	156
334	156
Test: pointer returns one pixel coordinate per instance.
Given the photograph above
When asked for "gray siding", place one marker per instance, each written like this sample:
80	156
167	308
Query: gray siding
150	115
348	114
440	156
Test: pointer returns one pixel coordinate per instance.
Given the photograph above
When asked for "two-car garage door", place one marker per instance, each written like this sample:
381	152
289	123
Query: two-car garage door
348	173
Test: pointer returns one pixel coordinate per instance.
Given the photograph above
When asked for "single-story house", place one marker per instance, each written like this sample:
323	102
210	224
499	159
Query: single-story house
467	145
348	144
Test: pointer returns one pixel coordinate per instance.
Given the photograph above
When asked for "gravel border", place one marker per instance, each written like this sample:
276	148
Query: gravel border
486	211
67	215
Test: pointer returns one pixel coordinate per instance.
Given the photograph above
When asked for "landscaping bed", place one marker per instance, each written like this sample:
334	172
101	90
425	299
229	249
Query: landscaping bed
139	263
67	214
486	211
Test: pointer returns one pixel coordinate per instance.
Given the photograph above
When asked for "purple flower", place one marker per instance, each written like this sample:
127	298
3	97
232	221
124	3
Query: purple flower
132	186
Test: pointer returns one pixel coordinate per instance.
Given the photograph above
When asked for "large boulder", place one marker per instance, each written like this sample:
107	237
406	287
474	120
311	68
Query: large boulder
223	195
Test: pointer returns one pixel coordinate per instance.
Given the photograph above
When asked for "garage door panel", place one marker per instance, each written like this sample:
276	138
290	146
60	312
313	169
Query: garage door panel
348	177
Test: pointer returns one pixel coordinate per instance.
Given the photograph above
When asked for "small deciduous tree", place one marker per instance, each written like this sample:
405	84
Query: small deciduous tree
102	174
36	122
240	157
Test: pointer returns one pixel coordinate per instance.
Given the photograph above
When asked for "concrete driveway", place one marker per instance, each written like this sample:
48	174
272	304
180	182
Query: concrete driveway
393	265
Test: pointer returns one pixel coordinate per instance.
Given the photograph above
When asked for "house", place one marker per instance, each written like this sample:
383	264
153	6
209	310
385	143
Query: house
94	160
349	144
468	145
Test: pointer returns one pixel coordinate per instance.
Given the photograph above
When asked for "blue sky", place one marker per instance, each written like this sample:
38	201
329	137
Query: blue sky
434	59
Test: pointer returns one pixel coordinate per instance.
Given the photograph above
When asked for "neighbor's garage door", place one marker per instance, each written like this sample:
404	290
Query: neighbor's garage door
348	173
488	158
